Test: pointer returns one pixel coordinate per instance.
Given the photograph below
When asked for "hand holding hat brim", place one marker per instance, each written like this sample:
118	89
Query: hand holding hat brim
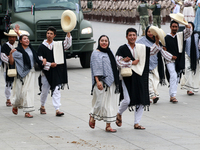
178	18
158	32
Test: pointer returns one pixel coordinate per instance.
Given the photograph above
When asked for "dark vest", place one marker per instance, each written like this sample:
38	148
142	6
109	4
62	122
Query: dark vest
157	10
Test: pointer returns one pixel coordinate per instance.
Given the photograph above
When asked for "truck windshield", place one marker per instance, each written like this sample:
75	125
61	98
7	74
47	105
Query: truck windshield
25	5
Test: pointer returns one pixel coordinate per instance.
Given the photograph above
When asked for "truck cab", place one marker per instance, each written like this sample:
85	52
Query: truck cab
35	16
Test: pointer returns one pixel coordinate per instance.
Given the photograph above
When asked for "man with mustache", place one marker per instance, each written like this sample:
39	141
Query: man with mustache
174	45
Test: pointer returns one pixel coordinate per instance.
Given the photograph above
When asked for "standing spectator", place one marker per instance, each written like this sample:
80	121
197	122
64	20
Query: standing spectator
105	83
197	18
190	80
156	7
24	56
188	10
5	52
144	18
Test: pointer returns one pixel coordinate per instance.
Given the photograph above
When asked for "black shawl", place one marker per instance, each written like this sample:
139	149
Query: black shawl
55	76
137	86
6	49
161	71
112	61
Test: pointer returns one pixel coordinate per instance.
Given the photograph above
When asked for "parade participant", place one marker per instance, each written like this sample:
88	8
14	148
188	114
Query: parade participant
156	7
190	80
105	85
5	52
156	65
163	11
197	18
174	45
135	87
24	56
177	6
144	18
53	75
188	10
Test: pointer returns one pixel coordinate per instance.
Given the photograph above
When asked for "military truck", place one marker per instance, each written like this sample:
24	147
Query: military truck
35	16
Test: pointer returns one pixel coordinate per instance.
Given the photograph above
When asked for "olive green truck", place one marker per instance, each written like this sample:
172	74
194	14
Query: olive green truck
35	16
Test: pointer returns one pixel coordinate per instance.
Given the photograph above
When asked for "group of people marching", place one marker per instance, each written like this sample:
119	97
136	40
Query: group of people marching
133	74
21	56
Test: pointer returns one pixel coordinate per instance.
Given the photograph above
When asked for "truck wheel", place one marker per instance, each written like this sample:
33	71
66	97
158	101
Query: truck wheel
85	59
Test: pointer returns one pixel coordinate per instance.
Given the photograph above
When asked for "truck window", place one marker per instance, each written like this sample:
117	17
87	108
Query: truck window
25	5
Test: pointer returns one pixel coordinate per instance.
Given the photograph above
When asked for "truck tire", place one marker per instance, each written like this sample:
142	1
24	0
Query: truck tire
85	59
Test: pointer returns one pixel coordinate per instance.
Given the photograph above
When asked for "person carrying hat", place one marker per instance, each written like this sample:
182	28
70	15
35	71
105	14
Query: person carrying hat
24	57
54	74
5	52
156	65
174	45
135	91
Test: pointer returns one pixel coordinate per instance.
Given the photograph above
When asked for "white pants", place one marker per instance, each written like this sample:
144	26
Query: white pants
45	90
8	88
124	105
173	79
153	83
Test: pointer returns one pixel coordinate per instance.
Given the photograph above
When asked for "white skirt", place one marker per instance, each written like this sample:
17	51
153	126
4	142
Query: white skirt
23	95
189	14
190	81
105	104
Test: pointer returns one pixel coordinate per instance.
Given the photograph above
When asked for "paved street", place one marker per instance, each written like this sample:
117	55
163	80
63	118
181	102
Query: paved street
168	126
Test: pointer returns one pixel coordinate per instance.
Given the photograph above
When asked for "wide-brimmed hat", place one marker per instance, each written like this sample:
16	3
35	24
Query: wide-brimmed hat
158	32
179	2
23	32
178	18
68	20
11	33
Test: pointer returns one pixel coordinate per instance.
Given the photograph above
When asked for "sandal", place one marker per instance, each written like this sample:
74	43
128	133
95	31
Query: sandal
42	111
59	113
118	121
15	110
8	104
27	115
155	100
173	100
109	129
139	127
91	124
190	93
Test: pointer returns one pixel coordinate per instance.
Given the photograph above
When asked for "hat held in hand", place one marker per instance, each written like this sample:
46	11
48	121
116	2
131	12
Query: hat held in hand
178	18
158	32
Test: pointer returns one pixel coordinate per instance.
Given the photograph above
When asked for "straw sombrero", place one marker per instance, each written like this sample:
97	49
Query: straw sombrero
11	33
23	32
179	2
68	20
157	31
178	18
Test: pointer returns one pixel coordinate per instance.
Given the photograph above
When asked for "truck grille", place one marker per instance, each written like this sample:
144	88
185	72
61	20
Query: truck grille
60	35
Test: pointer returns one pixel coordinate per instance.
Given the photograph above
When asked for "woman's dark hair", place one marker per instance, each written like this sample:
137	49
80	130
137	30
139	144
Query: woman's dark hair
100	39
20	38
51	28
131	30
192	25
174	22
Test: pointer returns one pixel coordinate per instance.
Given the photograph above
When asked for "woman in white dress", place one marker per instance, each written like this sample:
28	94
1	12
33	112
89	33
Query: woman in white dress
105	83
188	10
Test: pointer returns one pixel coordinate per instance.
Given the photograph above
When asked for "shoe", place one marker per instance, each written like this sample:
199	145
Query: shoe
155	100
59	113
8	104
190	93
91	124
109	129
42	111
139	127
173	100
118	121
27	115
15	110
